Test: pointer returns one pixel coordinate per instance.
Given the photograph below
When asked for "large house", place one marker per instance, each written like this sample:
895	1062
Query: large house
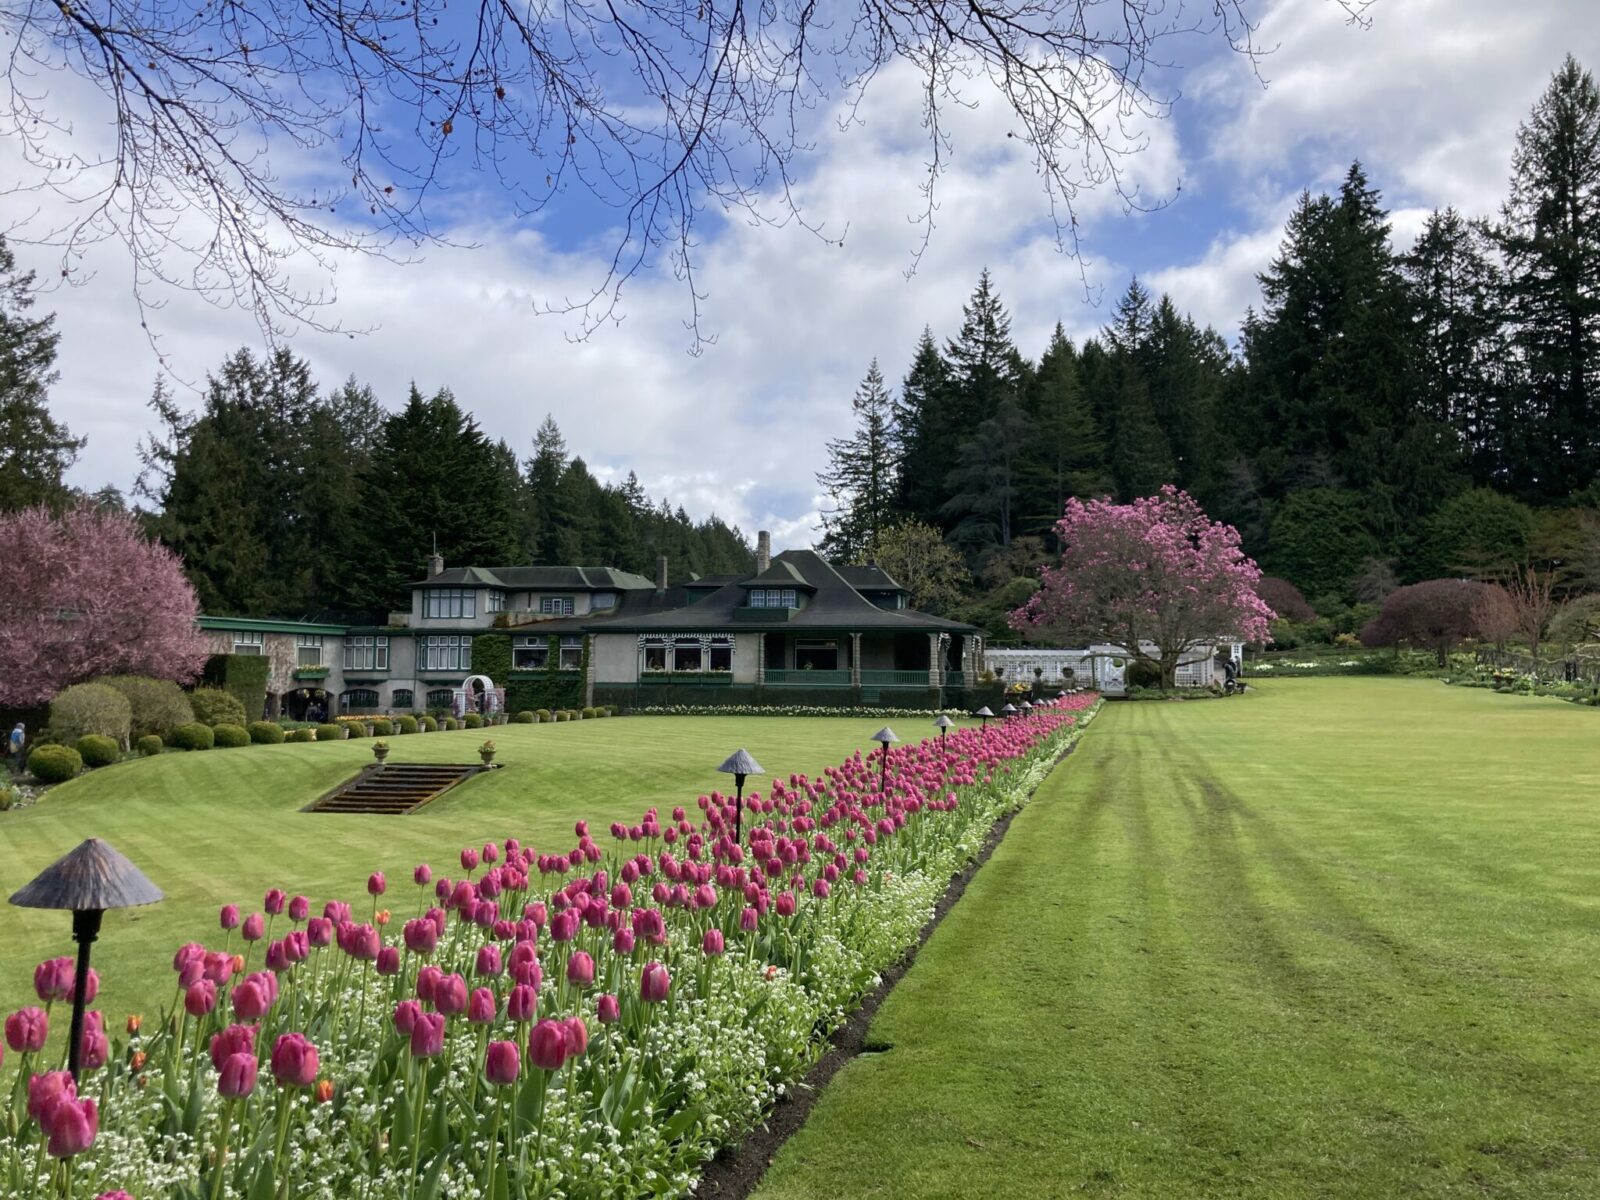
796	629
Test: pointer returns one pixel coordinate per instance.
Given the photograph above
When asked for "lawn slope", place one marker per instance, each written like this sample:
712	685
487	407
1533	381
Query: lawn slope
1335	938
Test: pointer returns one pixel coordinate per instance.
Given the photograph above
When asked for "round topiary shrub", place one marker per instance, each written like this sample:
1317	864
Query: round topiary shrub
88	708
302	735
97	750
231	737
159	705
563	715
265	733
406	724
330	733
472	721
383	727
149	745
213	706
429	725
358	729
524	718
449	723
193	736
54	764
588	714
602	712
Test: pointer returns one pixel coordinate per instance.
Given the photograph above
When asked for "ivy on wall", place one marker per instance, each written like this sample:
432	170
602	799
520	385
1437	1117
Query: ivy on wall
242	675
491	656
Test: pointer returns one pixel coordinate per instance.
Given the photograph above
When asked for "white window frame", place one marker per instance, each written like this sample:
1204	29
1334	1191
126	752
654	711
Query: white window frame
246	641
495	601
449	604
366	652
527	646
446	652
772	598
573	646
312	642
558	606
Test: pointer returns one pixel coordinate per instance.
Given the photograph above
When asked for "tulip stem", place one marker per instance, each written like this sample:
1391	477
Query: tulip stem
222	1149
494	1142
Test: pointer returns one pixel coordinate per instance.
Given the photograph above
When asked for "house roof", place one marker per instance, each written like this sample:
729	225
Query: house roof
870	578
632	604
779	573
835	605
574	579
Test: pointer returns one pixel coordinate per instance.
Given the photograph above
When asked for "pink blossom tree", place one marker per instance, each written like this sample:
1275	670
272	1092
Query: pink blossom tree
1157	578
85	594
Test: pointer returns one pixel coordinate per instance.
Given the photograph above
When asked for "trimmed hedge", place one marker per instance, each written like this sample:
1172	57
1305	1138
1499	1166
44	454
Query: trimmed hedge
472	721
407	724
97	750
159	705
265	733
563	715
429	725
193	736
213	706
54	764
302	735
87	708
382	727
330	733
544	716
231	737
524	718
149	745
244	676
355	729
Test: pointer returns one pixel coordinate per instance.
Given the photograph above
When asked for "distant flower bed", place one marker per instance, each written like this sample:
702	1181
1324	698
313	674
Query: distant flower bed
594	1020
1374	664
785	710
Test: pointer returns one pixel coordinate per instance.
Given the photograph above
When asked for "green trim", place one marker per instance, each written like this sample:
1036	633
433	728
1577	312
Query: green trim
268	625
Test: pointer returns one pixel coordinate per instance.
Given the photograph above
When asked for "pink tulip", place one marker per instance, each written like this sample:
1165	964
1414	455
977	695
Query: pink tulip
623	941
469	859
26	1030
421	936
577	1036
250	999
200	998
427	981
450	995
119	1194
71	1125
547	1045
749	920
190	952
405	1016
610	1011
786	904
522	1003
273	901
277	957
94	1048
712	944
44	1091
296	946
319	931
255	926
377	884
219	966
235	1039
389	960
481	1007
294	1061
238	1076
654	983
564	926
299	909
580	969
427	1036
489	962
422	874
502	1064
336	911
228	917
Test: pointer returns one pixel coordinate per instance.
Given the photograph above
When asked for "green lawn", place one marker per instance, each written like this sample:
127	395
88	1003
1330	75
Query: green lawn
1339	937
224	824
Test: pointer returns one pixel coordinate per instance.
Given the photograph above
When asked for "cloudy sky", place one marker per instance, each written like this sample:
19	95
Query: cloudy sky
1429	97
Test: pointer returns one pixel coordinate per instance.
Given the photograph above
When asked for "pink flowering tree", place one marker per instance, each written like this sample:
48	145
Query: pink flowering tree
86	593
1157	578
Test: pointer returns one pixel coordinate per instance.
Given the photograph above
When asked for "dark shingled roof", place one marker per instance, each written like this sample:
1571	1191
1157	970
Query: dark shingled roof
632	604
870	578
575	579
779	573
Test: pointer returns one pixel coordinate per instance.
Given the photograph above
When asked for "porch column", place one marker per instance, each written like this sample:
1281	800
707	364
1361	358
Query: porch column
855	660
761	659
935	663
588	673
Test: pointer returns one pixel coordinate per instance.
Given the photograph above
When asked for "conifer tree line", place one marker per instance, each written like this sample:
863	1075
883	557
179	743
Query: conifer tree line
1389	412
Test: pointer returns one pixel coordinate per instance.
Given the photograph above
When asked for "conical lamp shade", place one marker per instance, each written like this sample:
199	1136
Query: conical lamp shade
90	877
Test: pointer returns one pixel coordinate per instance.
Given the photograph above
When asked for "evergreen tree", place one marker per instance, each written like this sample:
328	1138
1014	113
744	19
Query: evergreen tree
35	449
1141	456
1066	453
861	473
985	484
917	425
544	471
1550	234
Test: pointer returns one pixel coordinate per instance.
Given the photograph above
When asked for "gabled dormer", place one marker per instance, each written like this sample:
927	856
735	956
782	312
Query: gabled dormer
774	594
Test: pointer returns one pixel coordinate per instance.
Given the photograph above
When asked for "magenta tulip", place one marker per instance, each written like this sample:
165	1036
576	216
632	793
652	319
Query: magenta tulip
389	960
489	962
580	969
422	874
547	1045
319	931
250	999
255	926
94	1049
713	943
421	936
200	998
654	983
469	859
405	1016
623	941
577	1036
228	917
502	1064
610	1010
238	1076
427	1036
299	909
273	901
294	1061
26	1030
71	1125
45	1091
450	995
377	884
481	1007
235	1039
522	1003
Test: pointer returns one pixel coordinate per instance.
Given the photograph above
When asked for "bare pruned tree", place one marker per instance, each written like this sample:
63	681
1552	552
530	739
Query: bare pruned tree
248	133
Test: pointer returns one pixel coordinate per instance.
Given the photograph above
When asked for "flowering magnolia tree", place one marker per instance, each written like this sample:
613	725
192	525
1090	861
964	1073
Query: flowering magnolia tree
1157	578
85	594
591	1019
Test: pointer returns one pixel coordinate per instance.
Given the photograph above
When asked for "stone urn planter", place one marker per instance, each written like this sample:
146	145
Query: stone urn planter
486	753
380	751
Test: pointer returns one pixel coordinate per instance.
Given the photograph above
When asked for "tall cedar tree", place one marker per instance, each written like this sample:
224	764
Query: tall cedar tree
1067	456
543	472
1550	234
985	485
917	430
1141	454
35	449
861	473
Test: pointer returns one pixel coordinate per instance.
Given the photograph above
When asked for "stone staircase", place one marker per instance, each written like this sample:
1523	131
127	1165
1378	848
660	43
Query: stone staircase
394	789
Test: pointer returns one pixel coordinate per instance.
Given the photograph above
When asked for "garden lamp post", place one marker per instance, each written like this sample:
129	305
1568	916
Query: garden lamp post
984	714
739	765
883	737
1009	711
943	723
86	882
1027	707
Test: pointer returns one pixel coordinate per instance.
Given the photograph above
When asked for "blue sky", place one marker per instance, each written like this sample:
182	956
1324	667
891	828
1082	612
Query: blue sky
1429	98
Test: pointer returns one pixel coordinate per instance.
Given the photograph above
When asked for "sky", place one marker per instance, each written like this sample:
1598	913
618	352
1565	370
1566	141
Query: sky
1428	96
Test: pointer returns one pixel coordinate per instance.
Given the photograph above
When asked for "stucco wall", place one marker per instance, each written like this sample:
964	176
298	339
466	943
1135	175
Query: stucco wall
616	658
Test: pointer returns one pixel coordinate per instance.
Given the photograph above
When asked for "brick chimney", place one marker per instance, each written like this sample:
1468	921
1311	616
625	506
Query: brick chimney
763	551
661	573
435	564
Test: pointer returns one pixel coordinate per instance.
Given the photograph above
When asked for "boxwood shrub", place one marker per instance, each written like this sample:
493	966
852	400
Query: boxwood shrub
231	737
357	729
563	715
302	735
383	727
265	733
447	723
193	736
88	708
149	745
429	725
54	764
97	750
472	721
406	724
213	706
588	714
159	705
330	733
524	718
544	716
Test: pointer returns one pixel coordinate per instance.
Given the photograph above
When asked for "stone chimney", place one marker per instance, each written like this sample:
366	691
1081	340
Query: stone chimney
435	564
763	551
661	573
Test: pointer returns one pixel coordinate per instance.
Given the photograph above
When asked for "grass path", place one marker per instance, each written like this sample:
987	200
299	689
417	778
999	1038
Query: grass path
224	825
1340	937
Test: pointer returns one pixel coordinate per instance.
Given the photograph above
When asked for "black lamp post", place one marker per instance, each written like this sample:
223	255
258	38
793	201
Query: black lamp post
883	737
943	723
739	765
1027	707
984	714
86	882
1009	711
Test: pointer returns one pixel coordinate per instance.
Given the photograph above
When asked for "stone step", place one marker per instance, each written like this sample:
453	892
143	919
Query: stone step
394	789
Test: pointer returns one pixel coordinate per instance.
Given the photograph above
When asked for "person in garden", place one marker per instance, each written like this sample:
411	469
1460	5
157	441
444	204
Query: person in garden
16	741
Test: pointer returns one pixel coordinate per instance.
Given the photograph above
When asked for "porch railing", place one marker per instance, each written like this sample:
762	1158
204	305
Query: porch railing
954	679
686	678
912	679
821	679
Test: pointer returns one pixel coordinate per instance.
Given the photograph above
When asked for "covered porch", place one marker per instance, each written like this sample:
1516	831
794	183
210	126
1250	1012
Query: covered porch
861	660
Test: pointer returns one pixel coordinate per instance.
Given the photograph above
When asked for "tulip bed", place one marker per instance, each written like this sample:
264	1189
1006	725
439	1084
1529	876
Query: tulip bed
591	1022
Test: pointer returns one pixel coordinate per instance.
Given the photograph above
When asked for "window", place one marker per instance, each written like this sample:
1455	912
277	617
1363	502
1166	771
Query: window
441	698
530	653
450	603
403	698
446	652
359	698
603	600
571	653
772	598
655	654
721	654
819	656
496	602
248	643
560	606
687	654
366	653
308	650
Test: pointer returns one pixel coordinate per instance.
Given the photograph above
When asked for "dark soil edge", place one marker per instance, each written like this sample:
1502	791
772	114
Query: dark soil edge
736	1172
